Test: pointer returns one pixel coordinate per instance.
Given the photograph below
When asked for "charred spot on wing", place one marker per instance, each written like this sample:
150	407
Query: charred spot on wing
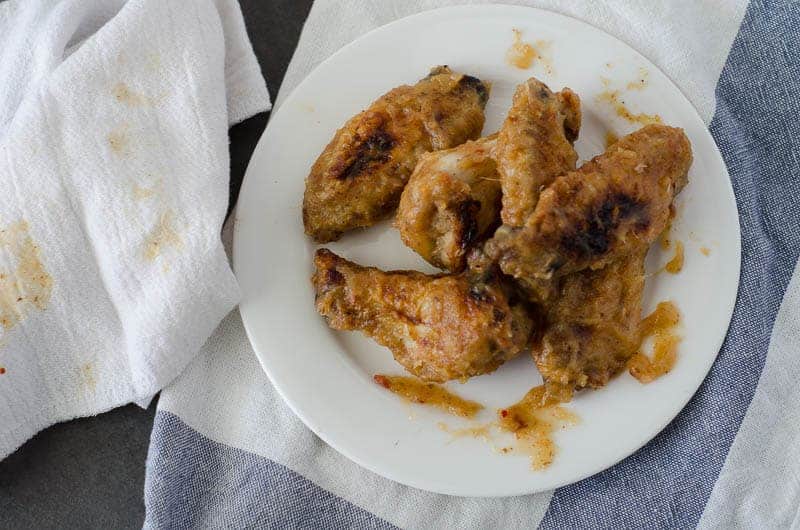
480	293
467	214
333	277
473	83
594	238
498	315
554	265
376	148
544	93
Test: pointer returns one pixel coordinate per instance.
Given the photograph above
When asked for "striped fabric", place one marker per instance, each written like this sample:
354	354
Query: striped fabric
226	452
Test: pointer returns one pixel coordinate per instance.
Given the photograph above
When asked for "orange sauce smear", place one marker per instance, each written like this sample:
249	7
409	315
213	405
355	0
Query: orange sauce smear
533	420
520	54
612	97
432	394
641	82
480	431
659	324
611	139
675	265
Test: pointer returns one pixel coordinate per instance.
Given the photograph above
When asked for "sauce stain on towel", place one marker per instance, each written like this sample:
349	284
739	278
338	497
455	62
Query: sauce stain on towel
28	285
162	236
125	95
119	141
87	377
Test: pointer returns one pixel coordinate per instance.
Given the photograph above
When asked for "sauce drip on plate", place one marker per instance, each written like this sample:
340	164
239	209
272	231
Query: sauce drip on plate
675	265
424	393
614	99
534	419
660	324
520	54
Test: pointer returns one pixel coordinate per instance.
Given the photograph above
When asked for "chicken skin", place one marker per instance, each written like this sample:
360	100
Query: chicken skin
358	178
592	325
614	205
535	146
452	201
438	327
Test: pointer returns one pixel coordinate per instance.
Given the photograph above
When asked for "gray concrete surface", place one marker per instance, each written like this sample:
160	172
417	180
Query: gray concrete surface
89	473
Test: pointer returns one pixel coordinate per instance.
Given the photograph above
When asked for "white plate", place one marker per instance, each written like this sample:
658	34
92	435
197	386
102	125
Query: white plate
326	376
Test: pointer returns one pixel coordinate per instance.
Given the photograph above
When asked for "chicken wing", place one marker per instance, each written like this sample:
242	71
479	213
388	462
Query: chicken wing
615	204
592	327
535	146
451	201
438	327
358	178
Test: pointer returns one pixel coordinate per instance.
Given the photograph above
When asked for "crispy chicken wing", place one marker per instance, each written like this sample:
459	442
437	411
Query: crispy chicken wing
535	145
438	327
592	326
358	178
615	204
451	201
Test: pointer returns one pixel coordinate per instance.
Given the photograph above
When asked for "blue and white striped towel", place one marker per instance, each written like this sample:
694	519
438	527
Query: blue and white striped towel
226	451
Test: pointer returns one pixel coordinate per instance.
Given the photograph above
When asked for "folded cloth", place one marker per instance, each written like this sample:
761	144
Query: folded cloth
226	451
113	190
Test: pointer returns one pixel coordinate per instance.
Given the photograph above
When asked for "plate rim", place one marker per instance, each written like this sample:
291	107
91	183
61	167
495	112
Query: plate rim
248	321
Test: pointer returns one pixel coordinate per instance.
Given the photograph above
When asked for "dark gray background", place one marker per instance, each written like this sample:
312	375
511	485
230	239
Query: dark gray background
90	472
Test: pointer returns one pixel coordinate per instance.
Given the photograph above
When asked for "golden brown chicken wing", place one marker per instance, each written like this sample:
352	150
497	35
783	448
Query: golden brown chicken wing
535	146
358	178
438	327
615	204
592	326
451	201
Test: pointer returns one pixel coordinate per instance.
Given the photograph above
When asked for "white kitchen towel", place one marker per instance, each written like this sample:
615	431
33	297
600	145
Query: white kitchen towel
113	188
226	451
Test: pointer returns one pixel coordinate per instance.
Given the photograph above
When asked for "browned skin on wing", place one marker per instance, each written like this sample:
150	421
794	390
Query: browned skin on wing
358	178
593	324
451	202
616	203
535	146
438	327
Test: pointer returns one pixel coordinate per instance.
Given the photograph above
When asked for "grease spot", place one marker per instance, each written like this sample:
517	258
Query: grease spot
153	61
705	251
28	285
141	193
88	380
119	141
123	94
161	237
